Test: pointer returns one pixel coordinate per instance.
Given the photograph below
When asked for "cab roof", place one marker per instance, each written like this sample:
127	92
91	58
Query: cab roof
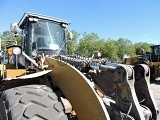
28	15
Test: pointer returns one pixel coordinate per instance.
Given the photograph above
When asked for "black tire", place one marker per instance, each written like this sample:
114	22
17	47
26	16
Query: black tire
34	102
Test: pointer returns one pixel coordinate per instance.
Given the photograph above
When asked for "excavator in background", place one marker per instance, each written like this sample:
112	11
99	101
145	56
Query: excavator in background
41	81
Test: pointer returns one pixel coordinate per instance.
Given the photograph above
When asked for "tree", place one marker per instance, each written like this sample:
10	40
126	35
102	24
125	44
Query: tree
124	48
7	35
142	46
87	44
110	50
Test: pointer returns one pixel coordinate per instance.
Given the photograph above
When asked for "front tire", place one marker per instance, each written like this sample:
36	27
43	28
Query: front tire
34	102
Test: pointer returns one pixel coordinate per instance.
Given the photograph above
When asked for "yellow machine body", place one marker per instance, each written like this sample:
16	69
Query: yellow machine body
154	66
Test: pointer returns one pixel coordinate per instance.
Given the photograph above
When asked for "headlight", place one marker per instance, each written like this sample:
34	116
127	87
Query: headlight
16	50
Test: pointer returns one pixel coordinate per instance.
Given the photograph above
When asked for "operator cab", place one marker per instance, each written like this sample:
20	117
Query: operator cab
43	34
156	49
155	53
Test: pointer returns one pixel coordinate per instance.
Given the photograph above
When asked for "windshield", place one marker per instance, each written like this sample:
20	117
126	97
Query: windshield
156	50
48	35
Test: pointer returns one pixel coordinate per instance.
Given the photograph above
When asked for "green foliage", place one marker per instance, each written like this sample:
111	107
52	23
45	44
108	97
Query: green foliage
142	46
7	35
110	50
87	44
91	42
125	47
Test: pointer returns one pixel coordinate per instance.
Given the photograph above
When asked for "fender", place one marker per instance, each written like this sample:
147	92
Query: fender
78	89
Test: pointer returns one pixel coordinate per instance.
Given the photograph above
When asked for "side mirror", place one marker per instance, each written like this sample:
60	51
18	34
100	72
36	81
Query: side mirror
14	28
97	54
70	35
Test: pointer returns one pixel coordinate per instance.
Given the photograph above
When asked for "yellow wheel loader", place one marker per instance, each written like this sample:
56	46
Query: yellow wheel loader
36	85
39	81
152	59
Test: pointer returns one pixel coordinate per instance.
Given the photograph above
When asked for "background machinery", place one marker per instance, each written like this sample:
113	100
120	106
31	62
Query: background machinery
152	59
40	81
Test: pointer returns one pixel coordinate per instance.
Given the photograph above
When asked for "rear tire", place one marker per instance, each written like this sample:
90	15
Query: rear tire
34	102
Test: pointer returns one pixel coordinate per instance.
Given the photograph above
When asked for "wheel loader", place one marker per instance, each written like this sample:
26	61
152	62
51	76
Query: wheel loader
152	59
40	81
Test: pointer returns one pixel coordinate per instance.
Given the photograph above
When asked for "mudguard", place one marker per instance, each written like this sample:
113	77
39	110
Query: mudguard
23	80
78	90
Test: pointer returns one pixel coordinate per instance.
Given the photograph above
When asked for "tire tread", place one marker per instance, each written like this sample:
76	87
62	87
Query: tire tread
33	102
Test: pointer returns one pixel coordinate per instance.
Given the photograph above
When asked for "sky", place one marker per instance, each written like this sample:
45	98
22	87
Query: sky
136	20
